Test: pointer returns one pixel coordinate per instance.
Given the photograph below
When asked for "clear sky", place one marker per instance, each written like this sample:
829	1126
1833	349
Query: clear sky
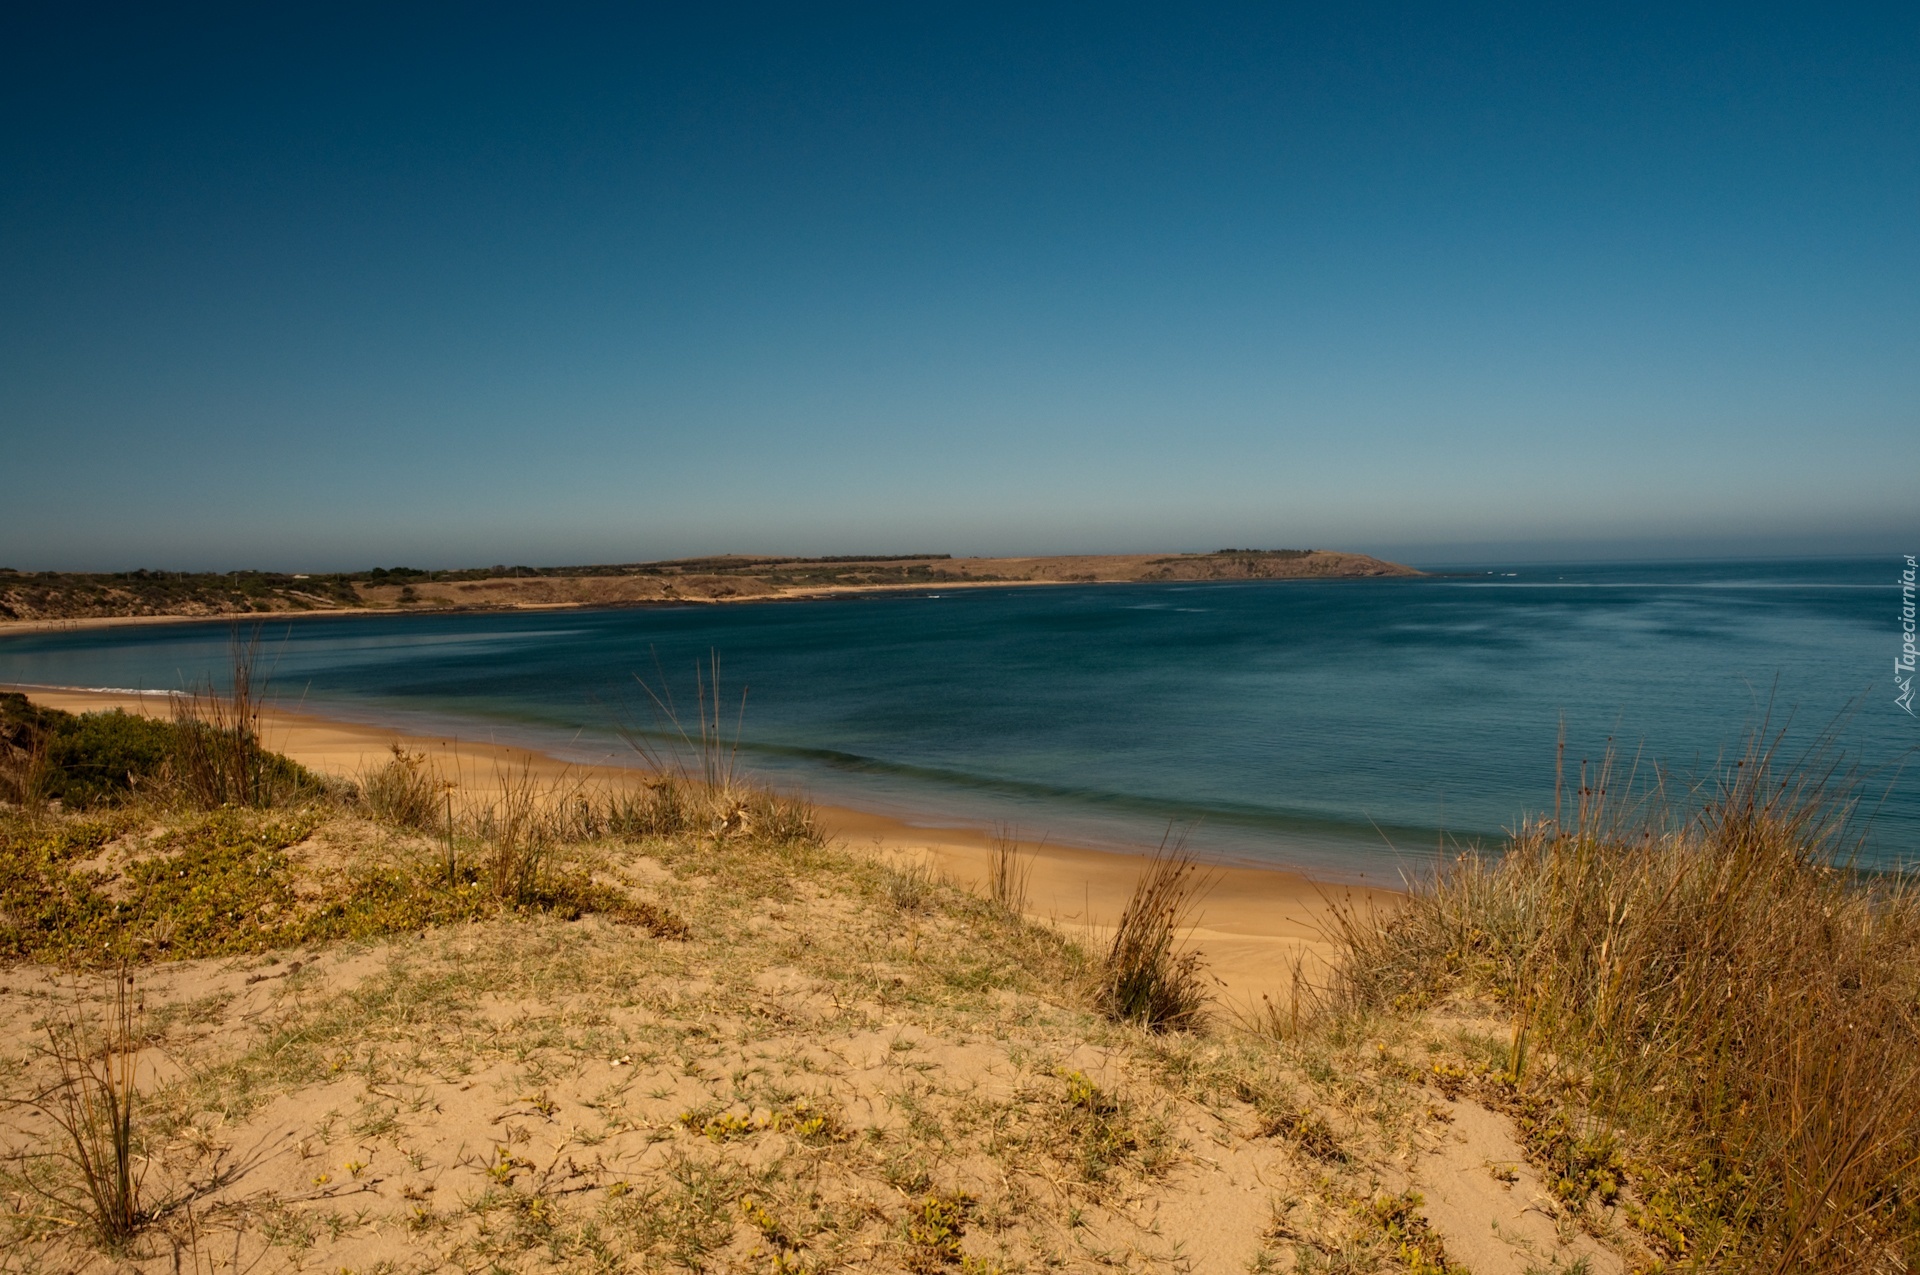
325	286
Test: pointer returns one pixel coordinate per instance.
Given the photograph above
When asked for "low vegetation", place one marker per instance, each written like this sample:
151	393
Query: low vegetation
204	757
1713	1019
1148	977
90	1102
407	1024
66	595
80	762
1009	871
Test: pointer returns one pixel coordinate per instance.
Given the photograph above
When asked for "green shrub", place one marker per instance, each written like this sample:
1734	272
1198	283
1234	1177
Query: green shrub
89	760
102	757
80	761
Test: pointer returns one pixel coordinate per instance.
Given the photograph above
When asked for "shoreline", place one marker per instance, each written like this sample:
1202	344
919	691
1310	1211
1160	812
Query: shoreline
797	593
515	608
1254	926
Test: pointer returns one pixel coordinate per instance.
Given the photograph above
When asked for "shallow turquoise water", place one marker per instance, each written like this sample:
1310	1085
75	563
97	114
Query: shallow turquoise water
1347	727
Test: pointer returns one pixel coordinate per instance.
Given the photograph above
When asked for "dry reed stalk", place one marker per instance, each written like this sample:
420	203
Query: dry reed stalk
1147	976
705	757
91	1103
217	756
698	785
1007	870
519	831
1306	1006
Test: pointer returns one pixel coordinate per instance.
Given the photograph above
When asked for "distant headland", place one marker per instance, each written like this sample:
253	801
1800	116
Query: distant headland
43	597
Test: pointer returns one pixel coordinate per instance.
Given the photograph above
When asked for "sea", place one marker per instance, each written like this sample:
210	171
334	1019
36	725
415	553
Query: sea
1354	729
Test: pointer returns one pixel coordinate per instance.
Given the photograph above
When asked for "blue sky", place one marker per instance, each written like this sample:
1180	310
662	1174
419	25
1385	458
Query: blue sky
348	286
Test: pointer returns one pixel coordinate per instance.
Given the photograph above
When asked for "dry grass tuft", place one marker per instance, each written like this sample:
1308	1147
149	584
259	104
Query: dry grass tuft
663	808
781	818
1007	871
405	792
910	888
218	760
91	1103
699	787
1148	977
520	834
704	757
1724	992
671	806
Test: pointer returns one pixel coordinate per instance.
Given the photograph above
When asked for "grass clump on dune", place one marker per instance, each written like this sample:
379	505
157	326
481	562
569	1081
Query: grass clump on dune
404	791
1716	1017
1148	976
219	757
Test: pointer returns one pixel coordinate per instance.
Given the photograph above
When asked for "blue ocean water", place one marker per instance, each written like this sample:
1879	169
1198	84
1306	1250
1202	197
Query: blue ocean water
1348	727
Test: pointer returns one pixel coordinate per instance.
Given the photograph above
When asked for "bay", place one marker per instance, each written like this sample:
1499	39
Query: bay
1351	728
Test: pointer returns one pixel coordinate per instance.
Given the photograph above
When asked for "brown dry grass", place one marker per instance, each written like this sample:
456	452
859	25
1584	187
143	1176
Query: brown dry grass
1149	976
90	1101
404	791
1715	1015
218	758
1008	871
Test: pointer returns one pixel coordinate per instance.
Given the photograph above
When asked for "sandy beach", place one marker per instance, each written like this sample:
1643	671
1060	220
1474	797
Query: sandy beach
1254	926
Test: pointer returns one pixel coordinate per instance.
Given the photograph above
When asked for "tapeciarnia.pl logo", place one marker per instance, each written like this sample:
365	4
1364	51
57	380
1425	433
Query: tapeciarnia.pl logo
1903	662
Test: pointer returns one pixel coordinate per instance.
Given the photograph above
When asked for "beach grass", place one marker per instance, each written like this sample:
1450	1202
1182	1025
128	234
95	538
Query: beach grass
1009	871
1150	975
404	791
90	1100
1711	1015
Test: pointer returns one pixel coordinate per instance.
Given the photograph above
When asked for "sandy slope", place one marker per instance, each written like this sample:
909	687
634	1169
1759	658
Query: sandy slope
519	1094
